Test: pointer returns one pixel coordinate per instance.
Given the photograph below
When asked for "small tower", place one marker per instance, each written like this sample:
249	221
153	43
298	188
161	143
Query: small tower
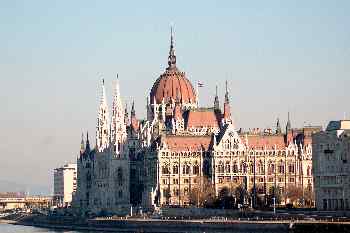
133	121
118	126
82	144
126	115
171	57
177	109
102	128
87	147
278	127
227	109
289	125
216	99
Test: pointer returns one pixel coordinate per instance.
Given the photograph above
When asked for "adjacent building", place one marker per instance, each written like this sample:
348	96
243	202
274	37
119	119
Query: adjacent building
65	184
170	157
331	158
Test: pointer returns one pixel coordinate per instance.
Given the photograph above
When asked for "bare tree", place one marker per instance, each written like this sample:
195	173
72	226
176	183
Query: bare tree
204	194
294	193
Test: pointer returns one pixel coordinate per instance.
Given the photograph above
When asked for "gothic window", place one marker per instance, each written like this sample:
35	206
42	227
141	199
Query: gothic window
227	167
165	169
196	169
271	168
235	167
120	176
291	168
220	167
261	168
186	169
176	169
308	171
186	191
280	167
176	192
251	167
243	167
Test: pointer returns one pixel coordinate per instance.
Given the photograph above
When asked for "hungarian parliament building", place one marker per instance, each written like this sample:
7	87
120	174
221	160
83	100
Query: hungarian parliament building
181	147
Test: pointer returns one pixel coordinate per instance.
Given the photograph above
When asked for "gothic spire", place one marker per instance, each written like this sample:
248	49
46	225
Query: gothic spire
289	125
171	57
226	93
102	128
227	109
216	99
87	147
278	127
82	143
133	109
126	115
118	126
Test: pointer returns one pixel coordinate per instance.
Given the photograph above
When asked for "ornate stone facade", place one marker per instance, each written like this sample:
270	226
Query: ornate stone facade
181	146
331	166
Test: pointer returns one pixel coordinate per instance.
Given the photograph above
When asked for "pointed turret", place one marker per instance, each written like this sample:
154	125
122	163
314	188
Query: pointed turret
126	115
118	126
134	122
216	99
133	113
171	57
177	109
289	125
102	129
278	127
82	144
227	110
87	147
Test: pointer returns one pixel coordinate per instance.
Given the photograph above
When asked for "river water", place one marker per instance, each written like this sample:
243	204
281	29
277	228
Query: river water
8	228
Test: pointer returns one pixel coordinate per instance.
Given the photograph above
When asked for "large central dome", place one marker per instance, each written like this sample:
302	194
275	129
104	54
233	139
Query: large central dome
173	84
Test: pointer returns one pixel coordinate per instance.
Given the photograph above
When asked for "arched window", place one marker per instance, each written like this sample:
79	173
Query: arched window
271	168
175	169
281	167
227	167
243	167
291	168
308	172
251	167
261	168
235	167
120	176
196	169
165	169
186	169
221	167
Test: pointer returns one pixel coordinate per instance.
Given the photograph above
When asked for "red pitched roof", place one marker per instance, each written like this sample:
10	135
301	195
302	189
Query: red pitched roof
184	143
258	141
202	119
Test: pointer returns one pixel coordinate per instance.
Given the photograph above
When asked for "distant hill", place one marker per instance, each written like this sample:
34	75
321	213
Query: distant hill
9	186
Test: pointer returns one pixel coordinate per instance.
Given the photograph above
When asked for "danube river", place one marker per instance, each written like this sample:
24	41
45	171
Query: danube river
8	228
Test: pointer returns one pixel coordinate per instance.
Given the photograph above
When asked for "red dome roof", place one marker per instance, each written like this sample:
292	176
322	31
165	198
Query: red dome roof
172	84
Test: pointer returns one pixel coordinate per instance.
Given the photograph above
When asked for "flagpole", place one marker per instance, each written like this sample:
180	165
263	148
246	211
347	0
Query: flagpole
197	93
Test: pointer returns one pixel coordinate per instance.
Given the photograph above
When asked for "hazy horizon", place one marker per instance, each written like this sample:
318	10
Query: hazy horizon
277	57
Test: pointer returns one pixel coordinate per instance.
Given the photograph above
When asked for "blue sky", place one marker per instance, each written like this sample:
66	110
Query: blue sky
278	56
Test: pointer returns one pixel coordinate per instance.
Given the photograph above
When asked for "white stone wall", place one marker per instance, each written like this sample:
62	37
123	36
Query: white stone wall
65	183
331	160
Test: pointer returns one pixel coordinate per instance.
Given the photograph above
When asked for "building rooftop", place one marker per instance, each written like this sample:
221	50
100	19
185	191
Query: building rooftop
338	125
